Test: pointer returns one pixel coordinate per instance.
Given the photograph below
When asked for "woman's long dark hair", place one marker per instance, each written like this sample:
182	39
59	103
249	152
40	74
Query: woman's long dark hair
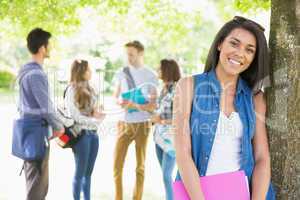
257	75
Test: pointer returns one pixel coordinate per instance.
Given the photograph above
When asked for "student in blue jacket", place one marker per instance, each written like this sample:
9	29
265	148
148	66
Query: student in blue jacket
35	103
219	115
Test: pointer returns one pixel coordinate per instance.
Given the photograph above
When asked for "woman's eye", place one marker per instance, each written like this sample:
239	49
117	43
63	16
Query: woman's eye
233	43
250	51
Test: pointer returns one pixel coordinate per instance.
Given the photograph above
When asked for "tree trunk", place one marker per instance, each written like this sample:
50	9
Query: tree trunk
283	98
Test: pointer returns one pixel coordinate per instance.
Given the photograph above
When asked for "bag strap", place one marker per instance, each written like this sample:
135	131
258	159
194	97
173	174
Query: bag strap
129	78
64	97
21	75
65	91
19	80
23	166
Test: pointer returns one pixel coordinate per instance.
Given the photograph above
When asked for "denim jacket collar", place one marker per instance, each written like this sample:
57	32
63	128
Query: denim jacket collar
216	86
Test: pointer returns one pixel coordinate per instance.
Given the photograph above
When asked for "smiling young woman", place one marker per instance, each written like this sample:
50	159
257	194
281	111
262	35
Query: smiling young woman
227	99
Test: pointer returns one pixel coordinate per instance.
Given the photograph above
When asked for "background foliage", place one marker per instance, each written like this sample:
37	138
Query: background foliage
98	28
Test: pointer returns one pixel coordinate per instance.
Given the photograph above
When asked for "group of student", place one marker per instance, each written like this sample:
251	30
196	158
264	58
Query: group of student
209	123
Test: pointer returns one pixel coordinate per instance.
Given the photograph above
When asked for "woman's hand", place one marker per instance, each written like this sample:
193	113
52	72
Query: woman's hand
155	119
98	113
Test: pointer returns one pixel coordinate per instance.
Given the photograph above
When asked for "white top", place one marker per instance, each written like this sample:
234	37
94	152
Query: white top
144	78
83	121
225	154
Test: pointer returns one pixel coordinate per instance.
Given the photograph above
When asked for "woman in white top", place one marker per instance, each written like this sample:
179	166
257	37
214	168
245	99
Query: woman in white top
220	114
80	102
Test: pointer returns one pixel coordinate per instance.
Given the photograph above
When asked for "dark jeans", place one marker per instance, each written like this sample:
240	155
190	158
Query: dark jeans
85	153
167	164
37	178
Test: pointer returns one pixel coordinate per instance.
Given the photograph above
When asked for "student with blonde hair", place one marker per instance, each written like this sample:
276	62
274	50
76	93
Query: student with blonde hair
81	105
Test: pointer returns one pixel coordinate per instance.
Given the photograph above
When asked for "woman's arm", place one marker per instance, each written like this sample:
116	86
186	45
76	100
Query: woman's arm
181	112
166	121
262	170
149	107
156	119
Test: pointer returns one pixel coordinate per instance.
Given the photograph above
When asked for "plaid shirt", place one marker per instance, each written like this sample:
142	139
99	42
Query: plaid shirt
165	103
163	134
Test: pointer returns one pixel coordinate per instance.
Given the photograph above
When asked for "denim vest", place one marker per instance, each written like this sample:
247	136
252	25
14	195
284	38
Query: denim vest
204	120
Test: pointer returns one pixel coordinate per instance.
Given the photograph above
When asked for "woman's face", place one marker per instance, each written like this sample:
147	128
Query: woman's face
237	51
88	74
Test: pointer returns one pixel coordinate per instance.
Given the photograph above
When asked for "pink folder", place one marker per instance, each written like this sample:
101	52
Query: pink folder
227	186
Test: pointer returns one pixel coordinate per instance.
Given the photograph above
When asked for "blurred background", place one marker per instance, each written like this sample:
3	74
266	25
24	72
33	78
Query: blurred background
97	31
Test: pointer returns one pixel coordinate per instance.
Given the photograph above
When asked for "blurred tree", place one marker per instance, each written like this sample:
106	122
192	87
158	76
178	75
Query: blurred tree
256	5
53	15
166	29
283	98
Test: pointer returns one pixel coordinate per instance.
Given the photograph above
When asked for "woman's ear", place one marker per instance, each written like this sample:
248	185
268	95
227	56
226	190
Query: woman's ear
220	46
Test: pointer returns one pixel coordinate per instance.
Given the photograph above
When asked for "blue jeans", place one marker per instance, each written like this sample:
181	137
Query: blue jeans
167	164
85	153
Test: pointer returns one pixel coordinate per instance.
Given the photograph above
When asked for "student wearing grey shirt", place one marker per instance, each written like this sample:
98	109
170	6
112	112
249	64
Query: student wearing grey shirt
34	101
133	126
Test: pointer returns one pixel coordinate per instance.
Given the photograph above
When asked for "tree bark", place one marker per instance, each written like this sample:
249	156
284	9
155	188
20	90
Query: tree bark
283	98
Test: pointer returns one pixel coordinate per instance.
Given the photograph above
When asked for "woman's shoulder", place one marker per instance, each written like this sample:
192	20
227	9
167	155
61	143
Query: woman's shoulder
192	79
70	88
185	82
69	91
184	87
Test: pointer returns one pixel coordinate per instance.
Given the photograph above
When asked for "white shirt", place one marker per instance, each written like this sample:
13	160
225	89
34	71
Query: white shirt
83	121
225	154
144	78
